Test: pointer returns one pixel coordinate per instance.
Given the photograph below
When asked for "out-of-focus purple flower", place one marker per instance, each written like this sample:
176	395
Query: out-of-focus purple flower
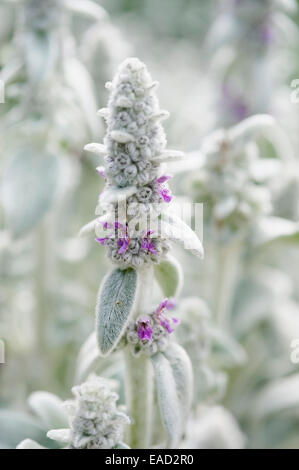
144	329
266	33
235	104
147	244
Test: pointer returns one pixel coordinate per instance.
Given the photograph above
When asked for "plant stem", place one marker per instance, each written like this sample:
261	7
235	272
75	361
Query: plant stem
139	390
139	395
227	264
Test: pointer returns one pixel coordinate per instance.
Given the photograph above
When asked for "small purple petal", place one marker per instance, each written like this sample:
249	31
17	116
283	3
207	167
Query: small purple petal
165	322
171	303
101	171
123	243
102	241
150	232
163	179
106	225
175	320
162	306
151	247
166	194
144	329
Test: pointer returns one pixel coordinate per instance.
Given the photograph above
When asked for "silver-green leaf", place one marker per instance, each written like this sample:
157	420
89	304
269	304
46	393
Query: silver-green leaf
174	379
183	376
168	399
174	228
115	303
169	276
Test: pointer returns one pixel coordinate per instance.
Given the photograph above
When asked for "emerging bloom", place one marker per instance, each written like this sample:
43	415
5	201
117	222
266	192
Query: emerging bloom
134	147
151	333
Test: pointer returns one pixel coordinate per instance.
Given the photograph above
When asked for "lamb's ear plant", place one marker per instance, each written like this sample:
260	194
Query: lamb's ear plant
135	226
242	168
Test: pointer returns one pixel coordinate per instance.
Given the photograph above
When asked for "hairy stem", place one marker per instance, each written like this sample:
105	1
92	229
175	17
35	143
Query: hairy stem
139	390
139	399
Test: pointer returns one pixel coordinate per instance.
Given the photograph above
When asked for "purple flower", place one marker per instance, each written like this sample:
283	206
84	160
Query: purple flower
144	329
124	239
147	244
107	225
123	244
163	179
102	241
169	304
163	190
166	194
167	323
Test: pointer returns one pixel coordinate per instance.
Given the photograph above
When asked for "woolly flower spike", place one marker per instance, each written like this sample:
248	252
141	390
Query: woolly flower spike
150	333
95	421
136	188
232	183
133	148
